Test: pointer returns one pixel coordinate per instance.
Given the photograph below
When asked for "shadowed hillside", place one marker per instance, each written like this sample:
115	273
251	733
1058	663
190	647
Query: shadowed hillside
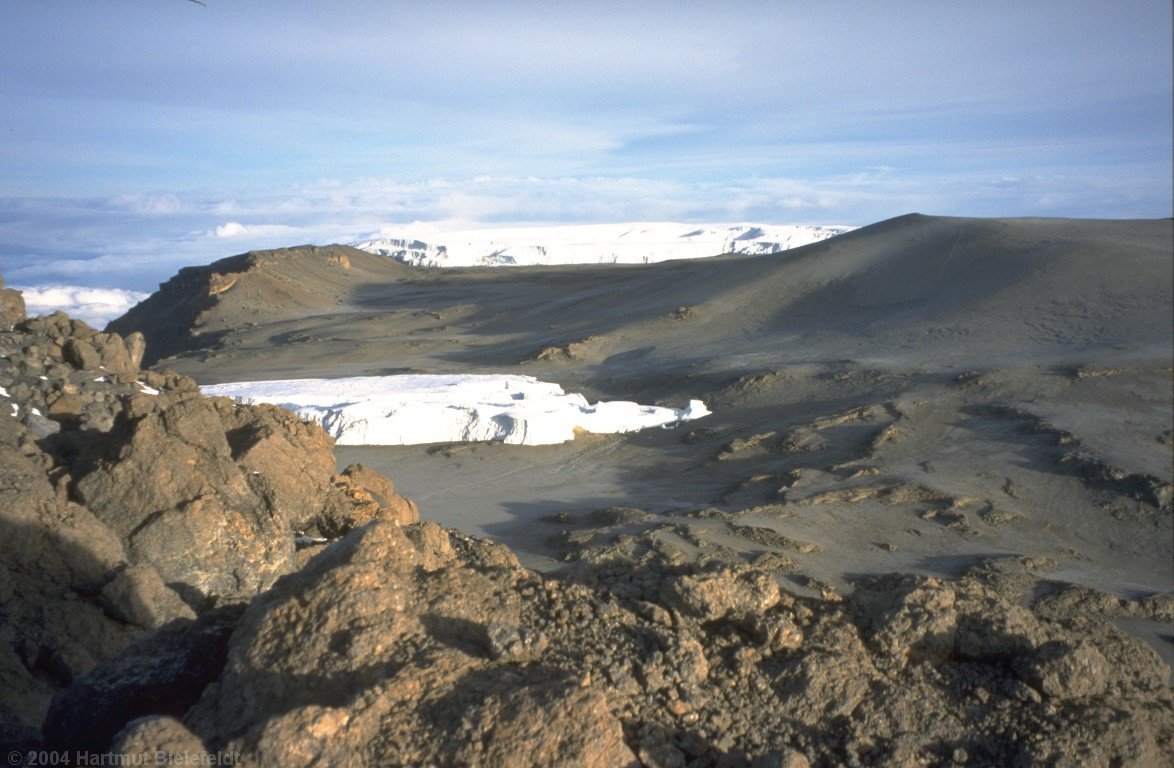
917	290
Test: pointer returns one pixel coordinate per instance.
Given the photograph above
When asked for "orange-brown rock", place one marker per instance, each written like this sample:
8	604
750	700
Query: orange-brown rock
368	496
12	309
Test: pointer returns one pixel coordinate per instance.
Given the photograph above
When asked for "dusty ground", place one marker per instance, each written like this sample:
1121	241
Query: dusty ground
918	396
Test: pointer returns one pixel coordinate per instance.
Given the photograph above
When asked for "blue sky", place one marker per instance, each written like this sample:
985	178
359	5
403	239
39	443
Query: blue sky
136	135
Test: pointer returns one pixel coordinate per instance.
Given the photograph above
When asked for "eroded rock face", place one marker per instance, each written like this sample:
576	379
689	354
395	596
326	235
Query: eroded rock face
207	493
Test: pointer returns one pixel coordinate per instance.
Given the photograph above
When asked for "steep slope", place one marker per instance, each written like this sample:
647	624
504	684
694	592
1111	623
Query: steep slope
200	304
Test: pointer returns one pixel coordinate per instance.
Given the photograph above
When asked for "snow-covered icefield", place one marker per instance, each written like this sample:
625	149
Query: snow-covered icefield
435	245
414	409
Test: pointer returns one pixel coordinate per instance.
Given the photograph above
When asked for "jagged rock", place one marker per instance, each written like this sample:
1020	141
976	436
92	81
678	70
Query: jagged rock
726	593
1062	670
165	510
161	740
368	496
12	309
105	351
54	556
137	595
907	617
833	677
165	481
288	462
477	552
164	673
1072	600
81	354
365	622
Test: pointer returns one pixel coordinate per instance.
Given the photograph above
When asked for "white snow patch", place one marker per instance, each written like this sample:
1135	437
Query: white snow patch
147	390
96	306
433	245
408	410
15	409
3	392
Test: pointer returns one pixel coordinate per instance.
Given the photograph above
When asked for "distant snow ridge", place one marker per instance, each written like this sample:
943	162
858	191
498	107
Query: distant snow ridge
408	410
427	245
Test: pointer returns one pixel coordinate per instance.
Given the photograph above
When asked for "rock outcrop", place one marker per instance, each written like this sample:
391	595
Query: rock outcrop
199	305
130	502
11	306
409	645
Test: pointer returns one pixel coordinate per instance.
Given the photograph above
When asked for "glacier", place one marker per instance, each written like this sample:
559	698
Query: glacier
438	245
425	408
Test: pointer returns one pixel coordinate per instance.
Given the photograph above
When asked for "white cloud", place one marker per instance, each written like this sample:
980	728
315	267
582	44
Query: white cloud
236	230
97	306
231	229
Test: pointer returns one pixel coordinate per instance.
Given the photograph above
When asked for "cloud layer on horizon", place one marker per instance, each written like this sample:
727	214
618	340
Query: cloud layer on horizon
136	241
244	125
96	306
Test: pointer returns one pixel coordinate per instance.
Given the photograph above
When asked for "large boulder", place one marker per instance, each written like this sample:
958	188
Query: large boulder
380	651
364	495
290	464
165	481
286	460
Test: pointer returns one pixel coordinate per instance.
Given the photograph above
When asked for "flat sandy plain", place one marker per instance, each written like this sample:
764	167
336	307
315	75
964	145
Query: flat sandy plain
922	395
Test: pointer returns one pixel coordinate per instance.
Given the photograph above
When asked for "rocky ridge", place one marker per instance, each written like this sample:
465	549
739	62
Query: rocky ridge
199	306
153	601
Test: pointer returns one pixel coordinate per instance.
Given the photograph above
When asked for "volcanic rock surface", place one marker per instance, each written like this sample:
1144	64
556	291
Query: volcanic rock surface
128	502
